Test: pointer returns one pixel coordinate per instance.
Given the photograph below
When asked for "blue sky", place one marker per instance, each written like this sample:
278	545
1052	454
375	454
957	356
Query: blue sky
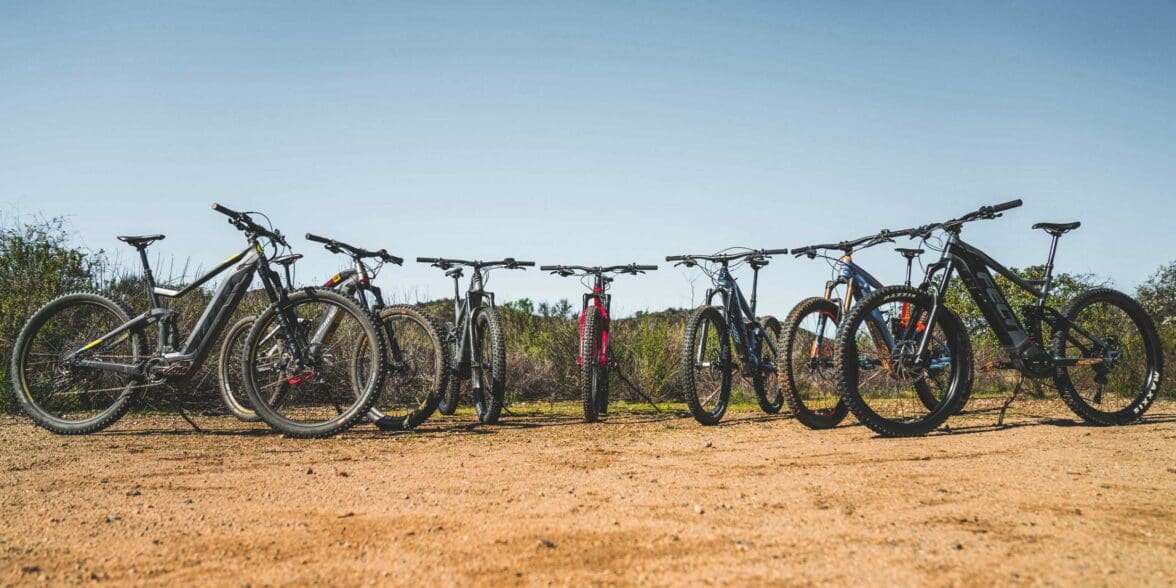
596	132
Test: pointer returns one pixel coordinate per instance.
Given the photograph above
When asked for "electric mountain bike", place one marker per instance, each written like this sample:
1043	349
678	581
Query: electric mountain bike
416	358
718	336
593	358
1105	358
477	346
79	358
808	334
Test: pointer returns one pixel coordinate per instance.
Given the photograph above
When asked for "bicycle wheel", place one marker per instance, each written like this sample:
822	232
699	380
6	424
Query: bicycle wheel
54	391
452	390
767	384
416	369
877	366
229	379
314	393
807	344
1122	361
593	375
489	341
706	366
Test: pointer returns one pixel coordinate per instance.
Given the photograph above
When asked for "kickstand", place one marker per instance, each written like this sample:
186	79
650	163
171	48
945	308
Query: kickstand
1005	406
179	406
621	375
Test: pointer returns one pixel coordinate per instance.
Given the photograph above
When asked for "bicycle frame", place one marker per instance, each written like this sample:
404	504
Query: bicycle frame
601	300
467	351
208	326
973	267
740	317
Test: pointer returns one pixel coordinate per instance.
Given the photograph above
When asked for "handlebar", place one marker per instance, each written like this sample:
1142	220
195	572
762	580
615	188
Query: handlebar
243	222
446	263
690	259
982	213
335	246
570	270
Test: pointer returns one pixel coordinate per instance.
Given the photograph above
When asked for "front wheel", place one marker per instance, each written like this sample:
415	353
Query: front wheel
298	368
1117	357
806	346
593	371
488	365
878	366
417	369
707	365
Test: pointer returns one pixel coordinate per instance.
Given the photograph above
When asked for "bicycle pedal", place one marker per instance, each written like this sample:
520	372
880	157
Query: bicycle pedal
997	365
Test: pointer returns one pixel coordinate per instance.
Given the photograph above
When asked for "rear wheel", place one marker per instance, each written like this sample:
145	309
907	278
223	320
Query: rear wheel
806	344
51	387
593	372
315	392
232	389
767	383
706	367
1120	354
490	341
877	379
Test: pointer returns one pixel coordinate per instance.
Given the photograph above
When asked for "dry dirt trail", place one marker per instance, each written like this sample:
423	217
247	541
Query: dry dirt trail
639	499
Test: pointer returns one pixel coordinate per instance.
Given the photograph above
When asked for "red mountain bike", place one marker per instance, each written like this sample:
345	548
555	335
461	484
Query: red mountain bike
594	358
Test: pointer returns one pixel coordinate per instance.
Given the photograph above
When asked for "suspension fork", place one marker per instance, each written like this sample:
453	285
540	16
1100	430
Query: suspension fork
936	302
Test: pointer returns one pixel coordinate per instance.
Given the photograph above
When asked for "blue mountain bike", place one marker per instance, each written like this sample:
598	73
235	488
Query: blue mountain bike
720	338
808	336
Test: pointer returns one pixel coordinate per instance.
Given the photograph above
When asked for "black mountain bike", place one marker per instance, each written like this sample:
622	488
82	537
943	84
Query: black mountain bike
478	349
1105	357
594	347
79	358
708	360
416	362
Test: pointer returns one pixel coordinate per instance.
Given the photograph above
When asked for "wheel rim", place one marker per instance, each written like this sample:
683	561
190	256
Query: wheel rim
811	363
711	364
328	385
414	364
1117	372
889	379
66	392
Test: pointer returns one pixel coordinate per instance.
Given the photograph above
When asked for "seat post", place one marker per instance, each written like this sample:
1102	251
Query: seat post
148	276
1049	265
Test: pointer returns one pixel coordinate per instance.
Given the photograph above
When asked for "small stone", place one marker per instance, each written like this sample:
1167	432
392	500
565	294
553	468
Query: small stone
343	474
30	569
110	518
959	546
187	501
309	471
698	509
709	444
134	492
548	543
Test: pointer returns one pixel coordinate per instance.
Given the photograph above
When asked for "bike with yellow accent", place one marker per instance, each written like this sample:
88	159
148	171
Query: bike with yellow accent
80	359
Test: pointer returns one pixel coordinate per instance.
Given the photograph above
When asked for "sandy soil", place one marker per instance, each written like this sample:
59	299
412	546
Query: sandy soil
638	499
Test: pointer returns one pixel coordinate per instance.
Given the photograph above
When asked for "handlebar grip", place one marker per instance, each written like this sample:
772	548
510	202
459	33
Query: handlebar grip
525	263
390	258
646	268
225	210
427	260
675	257
1011	204
316	238
775	252
548	268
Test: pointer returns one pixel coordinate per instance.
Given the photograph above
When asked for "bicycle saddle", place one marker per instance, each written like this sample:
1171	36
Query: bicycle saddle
140	240
909	253
286	260
1056	229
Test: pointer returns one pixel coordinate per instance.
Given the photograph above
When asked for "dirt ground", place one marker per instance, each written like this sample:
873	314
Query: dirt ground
638	499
